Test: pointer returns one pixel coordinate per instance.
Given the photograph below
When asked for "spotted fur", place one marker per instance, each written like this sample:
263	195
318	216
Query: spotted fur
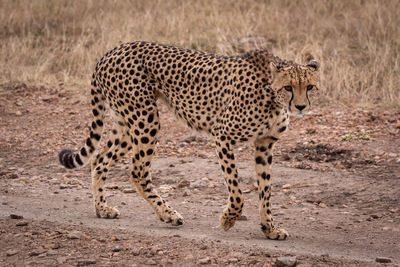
239	98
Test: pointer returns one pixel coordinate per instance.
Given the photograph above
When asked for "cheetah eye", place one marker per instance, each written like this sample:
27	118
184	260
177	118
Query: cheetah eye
310	87
288	88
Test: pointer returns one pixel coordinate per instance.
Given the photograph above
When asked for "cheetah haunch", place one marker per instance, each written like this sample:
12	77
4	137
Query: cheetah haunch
235	99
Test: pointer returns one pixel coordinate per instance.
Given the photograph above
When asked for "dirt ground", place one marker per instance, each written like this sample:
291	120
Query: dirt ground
336	181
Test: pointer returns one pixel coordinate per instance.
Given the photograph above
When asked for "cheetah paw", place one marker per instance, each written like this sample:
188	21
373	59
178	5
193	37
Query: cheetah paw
173	218
277	234
107	213
227	222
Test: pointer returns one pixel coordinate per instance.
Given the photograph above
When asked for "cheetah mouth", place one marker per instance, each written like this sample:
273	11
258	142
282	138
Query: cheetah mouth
300	114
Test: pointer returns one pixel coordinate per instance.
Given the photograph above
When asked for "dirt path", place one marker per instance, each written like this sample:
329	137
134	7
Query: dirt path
340	227
346	214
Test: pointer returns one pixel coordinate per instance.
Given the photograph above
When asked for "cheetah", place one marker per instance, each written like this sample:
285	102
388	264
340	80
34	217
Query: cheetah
240	98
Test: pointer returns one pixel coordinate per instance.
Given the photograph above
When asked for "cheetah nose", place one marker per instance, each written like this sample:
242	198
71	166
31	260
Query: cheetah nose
300	107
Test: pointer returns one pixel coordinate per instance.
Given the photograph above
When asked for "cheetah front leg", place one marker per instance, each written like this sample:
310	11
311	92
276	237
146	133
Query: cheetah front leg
227	163
263	158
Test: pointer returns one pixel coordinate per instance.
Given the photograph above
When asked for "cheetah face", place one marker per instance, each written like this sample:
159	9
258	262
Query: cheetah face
295	85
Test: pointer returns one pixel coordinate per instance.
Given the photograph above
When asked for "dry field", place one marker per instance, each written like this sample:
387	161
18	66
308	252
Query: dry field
336	172
46	42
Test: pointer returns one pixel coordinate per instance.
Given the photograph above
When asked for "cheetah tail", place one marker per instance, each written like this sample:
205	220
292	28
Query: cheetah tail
73	160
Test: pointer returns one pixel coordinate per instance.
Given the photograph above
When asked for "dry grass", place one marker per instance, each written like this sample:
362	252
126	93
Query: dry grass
56	42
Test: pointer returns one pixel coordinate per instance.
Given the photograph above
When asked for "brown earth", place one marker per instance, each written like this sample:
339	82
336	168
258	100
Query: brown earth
336	190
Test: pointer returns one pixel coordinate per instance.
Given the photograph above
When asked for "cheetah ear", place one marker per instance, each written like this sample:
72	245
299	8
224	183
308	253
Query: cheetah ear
313	64
274	68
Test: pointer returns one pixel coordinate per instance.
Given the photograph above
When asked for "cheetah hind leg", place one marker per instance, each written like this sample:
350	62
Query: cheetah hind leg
117	146
144	140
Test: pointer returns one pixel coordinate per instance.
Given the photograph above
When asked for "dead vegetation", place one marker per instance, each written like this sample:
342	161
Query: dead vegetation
358	42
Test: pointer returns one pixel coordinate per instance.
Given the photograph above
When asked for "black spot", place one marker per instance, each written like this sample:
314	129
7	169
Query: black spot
89	143
260	160
153	132
83	152
78	159
150	118
144	140
262	149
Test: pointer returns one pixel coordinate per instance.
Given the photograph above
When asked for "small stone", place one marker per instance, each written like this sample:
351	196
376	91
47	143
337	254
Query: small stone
197	184
286	186
183	183
51	252
18	113
112	186
22	223
150	262
165	188
313	199
128	190
205	260
188	138
233	260
117	249
242	218
375	216
286	262
114	238
383	260
37	252
12	252
13	176
393	210
63	186
16	217
203	247
253	262
136	252
322	205
86	262
75	235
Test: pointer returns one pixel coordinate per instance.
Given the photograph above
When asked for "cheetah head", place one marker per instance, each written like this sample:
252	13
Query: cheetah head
294	85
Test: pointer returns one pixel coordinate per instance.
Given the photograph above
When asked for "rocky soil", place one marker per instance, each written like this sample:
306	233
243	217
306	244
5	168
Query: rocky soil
335	176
